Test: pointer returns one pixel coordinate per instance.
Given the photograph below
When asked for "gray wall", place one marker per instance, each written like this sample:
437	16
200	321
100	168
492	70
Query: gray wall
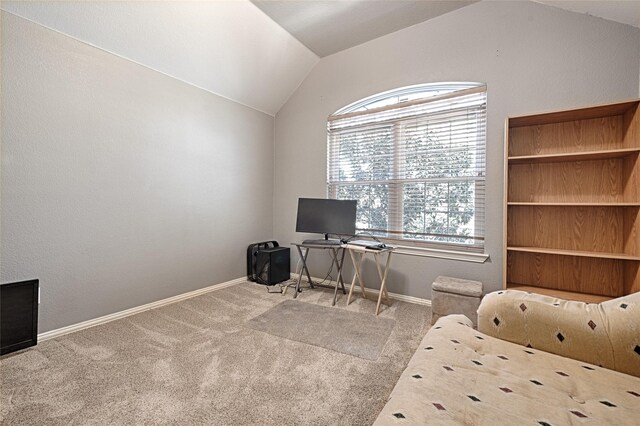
532	57
121	186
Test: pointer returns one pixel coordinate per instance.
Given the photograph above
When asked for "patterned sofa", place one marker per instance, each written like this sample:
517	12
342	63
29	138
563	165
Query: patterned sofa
536	360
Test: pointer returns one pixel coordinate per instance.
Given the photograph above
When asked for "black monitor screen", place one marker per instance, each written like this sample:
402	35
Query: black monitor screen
322	216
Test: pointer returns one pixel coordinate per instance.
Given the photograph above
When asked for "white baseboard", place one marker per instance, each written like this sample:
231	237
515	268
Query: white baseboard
132	311
117	315
396	296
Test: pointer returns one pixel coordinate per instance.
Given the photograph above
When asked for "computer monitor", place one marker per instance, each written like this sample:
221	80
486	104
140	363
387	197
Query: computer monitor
326	216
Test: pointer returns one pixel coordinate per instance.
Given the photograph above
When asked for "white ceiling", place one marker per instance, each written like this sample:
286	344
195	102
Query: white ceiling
233	49
227	47
327	27
625	11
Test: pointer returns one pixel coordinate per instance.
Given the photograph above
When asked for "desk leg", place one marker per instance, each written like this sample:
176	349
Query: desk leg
344	290
304	268
360	278
382	276
339	281
357	266
355	275
384	280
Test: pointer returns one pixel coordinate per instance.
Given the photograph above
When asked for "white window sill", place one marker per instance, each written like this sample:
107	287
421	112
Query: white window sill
464	256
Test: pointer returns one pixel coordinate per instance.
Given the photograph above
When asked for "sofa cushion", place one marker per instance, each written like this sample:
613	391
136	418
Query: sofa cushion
605	334
459	286
461	376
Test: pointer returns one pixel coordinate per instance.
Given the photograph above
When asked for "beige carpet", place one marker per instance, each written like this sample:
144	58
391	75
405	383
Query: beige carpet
352	333
197	362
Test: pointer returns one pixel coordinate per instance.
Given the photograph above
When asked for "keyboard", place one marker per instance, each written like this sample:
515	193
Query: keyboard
322	242
363	243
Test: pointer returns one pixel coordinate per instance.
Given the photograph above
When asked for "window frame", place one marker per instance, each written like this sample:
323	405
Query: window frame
396	182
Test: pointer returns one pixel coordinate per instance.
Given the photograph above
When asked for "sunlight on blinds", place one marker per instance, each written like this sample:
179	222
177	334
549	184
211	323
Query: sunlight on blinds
416	168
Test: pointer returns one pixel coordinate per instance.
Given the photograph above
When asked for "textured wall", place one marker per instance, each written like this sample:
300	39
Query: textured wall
533	58
228	47
120	185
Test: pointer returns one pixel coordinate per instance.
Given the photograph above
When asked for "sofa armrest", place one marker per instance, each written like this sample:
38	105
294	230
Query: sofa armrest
605	334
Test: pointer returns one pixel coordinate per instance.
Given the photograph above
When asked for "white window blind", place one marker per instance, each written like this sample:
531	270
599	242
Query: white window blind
417	168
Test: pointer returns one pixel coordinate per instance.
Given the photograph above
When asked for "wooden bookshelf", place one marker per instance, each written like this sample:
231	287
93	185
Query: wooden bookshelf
572	204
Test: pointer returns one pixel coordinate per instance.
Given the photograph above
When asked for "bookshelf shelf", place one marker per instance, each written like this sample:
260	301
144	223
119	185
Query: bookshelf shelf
574	156
578	253
572	204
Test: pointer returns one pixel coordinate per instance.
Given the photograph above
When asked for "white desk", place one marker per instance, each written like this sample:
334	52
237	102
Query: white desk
358	253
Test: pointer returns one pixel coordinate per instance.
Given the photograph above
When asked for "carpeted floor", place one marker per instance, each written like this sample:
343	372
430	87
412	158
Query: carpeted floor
324	326
199	362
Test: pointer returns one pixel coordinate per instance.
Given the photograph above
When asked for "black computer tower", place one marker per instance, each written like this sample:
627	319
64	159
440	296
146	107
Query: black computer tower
272	265
252	256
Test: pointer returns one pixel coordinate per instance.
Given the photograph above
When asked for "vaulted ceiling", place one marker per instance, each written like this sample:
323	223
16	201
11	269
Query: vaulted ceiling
256	53
623	11
327	26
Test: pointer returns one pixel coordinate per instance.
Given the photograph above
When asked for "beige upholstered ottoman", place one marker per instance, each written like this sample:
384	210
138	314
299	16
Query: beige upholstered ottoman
455	296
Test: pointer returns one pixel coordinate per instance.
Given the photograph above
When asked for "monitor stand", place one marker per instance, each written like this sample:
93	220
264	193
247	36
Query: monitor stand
323	242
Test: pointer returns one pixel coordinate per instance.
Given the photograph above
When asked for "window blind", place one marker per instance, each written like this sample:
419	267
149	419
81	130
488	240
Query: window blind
416	168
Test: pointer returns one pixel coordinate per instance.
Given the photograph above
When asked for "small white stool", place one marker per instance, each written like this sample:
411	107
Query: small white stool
455	296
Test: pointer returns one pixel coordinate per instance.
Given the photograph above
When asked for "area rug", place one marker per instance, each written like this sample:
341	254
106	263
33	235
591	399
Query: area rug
351	333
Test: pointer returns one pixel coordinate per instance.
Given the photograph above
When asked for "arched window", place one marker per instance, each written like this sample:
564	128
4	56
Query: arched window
414	158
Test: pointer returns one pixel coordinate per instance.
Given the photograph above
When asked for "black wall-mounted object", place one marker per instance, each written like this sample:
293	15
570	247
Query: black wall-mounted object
18	315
